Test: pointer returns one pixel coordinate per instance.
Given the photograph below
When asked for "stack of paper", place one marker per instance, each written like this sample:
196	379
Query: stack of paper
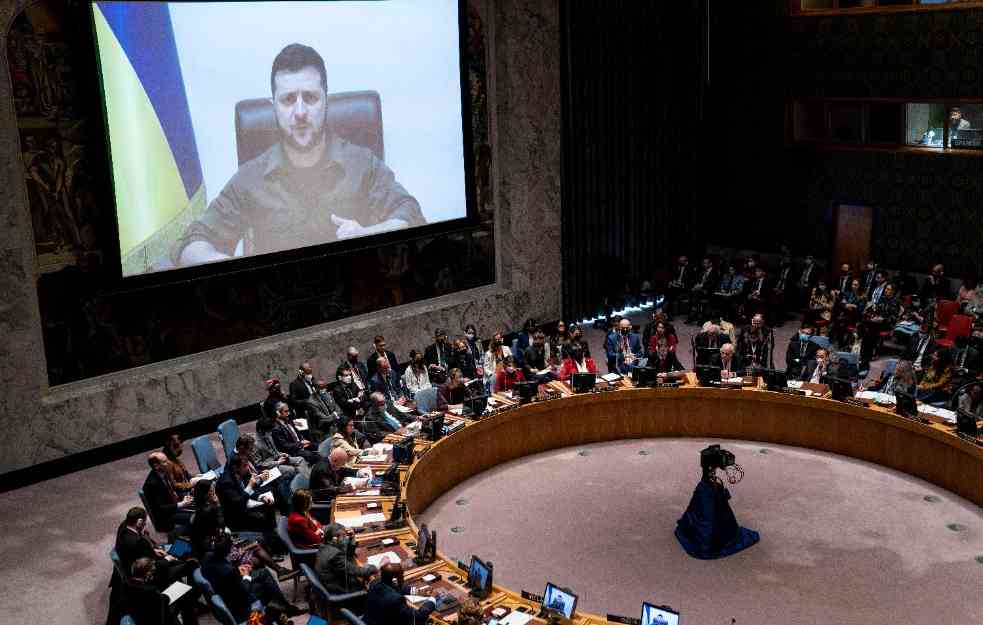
946	415
374	492
516	618
300	424
374	458
176	590
376	560
876	397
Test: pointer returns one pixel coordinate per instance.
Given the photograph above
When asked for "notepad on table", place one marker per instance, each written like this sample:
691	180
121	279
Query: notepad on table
373	458
376	560
611	377
375	517
175	591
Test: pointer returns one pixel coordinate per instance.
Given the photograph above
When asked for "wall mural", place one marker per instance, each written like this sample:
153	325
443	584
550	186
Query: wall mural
92	326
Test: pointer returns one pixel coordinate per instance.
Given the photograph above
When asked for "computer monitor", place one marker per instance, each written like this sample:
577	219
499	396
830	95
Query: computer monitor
658	615
480	577
644	376
403	451
704	355
707	374
966	424
775	380
905	405
525	391
583	382
434	427
559	601
475	406
841	388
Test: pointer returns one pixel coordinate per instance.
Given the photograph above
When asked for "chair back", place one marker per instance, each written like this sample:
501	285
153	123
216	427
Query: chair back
228	433
426	399
350	617
319	590
127	620
959	326
822	342
851	361
355	116
325	447
944	310
118	565
203	584
152	513
297	555
221	611
300	480
205	454
890	366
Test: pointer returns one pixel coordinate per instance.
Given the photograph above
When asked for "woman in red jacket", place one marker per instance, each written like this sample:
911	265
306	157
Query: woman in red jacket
305	531
508	376
662	332
577	363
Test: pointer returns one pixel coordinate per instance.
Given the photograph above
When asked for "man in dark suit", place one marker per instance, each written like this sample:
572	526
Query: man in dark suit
729	361
800	351
133	543
386	604
241	586
845	278
372	359
755	344
244	508
360	375
169	509
290	441
303	393
758	292
387	382
147	605
867	278
706	283
328	477
623	348
436	355
680	283
379	420
935	287
461	358
346	394
534	360
920	348
816	369
807	281
336	566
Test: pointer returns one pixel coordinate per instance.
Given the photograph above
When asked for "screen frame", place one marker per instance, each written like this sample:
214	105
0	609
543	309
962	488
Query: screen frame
646	605
116	282
573	608
488	579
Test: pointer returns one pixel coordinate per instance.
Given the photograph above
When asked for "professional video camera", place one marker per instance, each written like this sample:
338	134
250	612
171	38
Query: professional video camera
713	458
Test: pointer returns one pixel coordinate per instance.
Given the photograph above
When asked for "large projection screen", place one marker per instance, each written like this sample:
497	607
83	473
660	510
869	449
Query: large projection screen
216	156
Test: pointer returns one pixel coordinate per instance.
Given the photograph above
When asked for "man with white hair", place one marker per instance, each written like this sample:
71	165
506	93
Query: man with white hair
328	477
707	343
729	361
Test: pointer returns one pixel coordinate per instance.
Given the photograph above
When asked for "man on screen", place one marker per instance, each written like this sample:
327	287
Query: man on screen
311	187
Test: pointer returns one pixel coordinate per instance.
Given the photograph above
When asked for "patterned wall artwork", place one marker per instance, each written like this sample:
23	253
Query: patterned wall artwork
94	324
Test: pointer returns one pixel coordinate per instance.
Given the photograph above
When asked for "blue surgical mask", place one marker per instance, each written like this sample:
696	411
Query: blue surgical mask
803	336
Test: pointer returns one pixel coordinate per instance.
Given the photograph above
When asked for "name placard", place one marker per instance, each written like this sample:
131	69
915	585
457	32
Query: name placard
531	597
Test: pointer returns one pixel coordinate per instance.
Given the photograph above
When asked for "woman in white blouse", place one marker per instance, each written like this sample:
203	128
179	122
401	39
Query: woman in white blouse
416	377
496	353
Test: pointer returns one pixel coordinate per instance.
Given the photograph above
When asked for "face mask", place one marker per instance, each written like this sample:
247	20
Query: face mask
471	335
626	331
346	379
803	336
309	377
353	358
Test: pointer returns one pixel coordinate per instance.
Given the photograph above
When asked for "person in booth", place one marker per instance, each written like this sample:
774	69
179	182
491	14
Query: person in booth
508	376
310	187
385	604
578	362
452	391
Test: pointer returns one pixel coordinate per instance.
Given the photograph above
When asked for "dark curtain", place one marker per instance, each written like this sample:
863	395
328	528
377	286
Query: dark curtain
634	130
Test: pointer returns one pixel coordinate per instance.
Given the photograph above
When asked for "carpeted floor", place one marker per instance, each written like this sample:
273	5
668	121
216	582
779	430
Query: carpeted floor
842	542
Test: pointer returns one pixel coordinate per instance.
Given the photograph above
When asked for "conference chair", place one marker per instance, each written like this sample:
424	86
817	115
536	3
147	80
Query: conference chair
852	362
297	555
219	610
228	433
350	617
959	326
323	603
159	527
944	311
822	342
301	480
426	400
118	565
205	455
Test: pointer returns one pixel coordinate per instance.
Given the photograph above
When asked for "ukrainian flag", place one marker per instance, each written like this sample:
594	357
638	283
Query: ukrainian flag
157	174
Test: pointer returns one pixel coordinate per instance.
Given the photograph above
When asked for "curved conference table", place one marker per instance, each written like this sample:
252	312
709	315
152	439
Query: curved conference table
875	434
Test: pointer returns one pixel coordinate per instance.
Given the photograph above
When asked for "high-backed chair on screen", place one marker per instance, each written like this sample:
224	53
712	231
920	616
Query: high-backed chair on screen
355	116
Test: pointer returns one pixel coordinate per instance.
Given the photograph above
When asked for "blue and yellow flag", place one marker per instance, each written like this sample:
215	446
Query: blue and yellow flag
157	174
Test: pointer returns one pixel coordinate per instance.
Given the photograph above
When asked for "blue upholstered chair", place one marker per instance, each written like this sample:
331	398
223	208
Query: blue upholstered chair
228	433
320	598
205	455
426	399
